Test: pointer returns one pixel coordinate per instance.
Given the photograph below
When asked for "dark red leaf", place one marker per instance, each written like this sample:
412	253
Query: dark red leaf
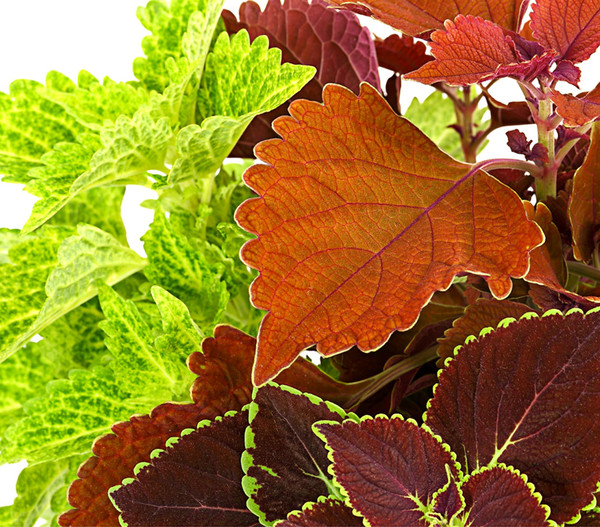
578	110
332	41
518	143
515	179
325	513
500	497
116	455
567	71
224	372
420	16
389	468
512	114
285	462
344	199
401	54
449	500
482	314
571	27
527	395
195	481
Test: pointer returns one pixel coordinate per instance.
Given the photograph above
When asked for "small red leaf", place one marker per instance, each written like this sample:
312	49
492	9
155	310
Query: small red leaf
195	481
360	219
500	497
326	513
571	27
584	207
115	456
416	17
527	395
578	110
401	54
568	72
285	462
389	468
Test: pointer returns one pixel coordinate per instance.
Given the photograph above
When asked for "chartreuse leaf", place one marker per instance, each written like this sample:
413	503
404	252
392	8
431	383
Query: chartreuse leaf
241	81
414	18
336	222
195	481
115	456
185	272
538	411
322	513
390	469
28	263
82	259
283	475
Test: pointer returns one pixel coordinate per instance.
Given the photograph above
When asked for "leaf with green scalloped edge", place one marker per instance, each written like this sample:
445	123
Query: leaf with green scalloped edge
285	462
194	481
538	410
390	469
183	270
31	259
241	81
325	512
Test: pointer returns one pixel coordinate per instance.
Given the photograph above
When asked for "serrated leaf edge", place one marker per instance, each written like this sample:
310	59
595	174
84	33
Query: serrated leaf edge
310	504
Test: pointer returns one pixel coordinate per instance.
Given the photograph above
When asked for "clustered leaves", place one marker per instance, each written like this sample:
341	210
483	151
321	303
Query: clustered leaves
450	306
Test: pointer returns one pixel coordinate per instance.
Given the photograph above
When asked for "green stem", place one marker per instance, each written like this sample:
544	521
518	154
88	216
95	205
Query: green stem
581	269
545	185
377	382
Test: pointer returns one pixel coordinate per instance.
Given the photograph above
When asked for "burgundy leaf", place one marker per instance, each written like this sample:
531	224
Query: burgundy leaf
285	462
401	54
527	395
500	497
195	481
116	455
325	513
571	27
518	143
568	72
389	468
515	179
332	41
512	114
449	501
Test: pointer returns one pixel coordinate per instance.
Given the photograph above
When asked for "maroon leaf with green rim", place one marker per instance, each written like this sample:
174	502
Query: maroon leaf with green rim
527	395
390	469
285	462
332	41
196	481
501	497
448	501
116	455
327	512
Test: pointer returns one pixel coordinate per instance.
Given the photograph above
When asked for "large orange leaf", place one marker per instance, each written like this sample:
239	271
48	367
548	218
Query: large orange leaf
584	207
578	110
360	219
414	17
571	27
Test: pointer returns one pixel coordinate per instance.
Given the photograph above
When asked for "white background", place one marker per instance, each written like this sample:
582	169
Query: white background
104	38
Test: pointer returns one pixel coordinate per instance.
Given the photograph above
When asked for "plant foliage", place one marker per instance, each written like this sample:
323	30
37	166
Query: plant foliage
449	306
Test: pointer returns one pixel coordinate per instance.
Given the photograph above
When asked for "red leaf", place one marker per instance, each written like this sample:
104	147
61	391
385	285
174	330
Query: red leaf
472	50
484	313
571	27
326	513
195	481
332	41
285	462
416	17
360	219
401	54
527	395
578	110
584	209
500	497
115	456
388	467
224	372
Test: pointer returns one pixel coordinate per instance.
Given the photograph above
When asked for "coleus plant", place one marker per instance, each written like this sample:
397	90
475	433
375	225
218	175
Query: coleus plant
454	303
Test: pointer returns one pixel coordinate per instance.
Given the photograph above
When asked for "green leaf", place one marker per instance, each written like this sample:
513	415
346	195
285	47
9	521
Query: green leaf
22	282
183	270
241	81
65	420
138	363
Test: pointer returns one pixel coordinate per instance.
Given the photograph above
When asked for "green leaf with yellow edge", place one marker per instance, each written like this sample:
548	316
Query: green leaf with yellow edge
241	81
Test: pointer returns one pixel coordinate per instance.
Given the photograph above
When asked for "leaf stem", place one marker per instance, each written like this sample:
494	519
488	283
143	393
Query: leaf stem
581	269
518	164
545	185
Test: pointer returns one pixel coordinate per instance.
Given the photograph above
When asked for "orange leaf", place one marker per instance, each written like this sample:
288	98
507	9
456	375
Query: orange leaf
578	110
482	314
360	219
584	208
472	50
571	27
414	17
